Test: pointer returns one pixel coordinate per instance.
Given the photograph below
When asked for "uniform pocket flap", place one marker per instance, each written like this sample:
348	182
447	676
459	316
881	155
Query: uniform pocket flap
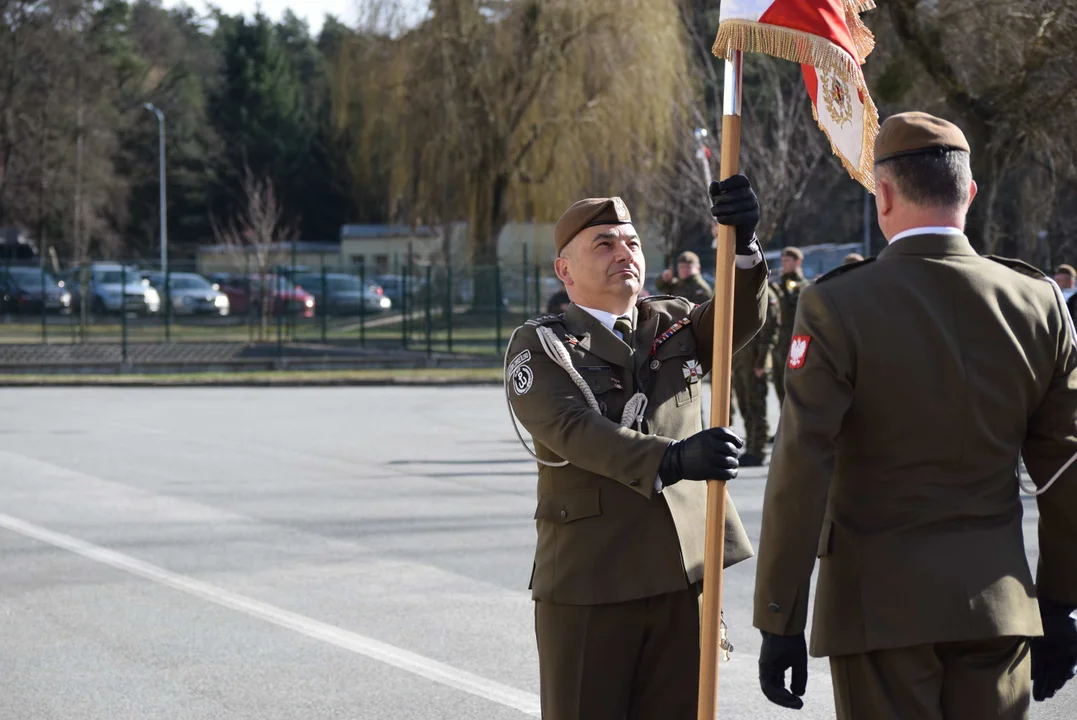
600	384
564	507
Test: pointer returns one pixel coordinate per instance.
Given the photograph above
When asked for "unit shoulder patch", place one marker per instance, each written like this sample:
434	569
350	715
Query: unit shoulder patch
842	269
1019	266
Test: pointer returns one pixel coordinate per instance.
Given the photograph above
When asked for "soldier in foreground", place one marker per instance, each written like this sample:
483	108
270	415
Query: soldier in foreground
689	283
914	382
788	288
612	393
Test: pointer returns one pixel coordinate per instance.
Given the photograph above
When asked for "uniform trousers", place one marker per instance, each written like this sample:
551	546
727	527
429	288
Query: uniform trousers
971	680
635	660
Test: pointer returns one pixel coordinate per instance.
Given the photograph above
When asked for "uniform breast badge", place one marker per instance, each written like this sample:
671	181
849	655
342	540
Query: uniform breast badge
693	373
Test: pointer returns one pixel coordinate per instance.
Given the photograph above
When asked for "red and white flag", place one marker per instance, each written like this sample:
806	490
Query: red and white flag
830	42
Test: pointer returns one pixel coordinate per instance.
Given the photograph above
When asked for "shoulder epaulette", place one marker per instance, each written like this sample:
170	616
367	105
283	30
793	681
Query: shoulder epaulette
842	269
544	319
1018	265
660	297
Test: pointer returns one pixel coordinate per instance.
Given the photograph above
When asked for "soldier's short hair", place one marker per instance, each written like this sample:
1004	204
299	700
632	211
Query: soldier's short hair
933	179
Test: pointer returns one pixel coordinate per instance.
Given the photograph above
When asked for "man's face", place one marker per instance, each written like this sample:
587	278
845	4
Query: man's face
605	261
1064	280
686	270
789	264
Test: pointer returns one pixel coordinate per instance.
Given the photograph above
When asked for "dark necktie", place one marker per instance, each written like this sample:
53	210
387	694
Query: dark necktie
623	325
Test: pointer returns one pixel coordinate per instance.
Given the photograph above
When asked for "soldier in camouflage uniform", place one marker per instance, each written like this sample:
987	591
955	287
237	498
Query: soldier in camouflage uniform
688	284
750	368
788	288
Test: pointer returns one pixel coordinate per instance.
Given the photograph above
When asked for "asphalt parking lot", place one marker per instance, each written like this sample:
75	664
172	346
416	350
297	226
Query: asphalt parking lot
291	553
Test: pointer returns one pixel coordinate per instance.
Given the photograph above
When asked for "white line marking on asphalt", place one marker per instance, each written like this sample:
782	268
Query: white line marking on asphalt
390	655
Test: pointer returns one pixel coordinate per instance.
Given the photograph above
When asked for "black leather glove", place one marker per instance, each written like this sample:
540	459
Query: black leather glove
735	203
778	654
708	455
1054	656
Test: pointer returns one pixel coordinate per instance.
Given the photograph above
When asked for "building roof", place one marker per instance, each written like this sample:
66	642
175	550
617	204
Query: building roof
371	232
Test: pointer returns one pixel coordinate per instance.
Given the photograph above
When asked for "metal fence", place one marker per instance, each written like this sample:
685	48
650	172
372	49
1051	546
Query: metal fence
429	308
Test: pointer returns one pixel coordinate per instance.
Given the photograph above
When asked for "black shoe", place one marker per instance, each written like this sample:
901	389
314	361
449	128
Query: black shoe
750	460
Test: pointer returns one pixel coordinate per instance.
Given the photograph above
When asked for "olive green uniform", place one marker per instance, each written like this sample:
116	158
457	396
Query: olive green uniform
692	288
750	389
788	289
914	383
618	564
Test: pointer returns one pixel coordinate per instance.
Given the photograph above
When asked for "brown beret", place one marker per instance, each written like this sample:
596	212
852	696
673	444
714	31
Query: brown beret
588	213
1066	269
852	258
913	133
793	253
688	257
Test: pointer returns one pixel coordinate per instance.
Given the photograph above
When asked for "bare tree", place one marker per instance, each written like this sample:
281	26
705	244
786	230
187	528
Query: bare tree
1006	72
256	231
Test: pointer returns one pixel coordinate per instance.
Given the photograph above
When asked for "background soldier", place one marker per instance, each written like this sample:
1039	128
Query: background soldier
620	520
750	367
914	383
788	288
688	284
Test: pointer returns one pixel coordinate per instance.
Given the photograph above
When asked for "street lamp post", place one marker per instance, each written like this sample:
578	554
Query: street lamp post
161	150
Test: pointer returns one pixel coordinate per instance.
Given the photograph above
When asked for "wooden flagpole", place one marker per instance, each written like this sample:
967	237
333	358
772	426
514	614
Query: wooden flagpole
721	370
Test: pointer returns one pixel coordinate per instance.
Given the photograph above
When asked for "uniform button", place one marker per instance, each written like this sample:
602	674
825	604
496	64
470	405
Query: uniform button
655	364
774	607
634	483
684	348
564	514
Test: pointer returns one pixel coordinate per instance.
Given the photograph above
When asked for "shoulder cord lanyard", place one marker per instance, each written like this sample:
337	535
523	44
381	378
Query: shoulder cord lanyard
555	349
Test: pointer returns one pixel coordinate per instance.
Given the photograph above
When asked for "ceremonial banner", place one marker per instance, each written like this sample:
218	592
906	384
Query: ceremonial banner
830	42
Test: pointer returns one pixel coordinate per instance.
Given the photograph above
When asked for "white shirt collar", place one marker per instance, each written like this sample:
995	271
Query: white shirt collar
926	231
606	318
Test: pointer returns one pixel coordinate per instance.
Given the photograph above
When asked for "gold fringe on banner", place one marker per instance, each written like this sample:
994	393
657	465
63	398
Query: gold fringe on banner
785	43
862	36
865	173
826	57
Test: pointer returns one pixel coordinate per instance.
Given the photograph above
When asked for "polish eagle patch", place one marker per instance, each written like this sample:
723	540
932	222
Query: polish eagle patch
798	351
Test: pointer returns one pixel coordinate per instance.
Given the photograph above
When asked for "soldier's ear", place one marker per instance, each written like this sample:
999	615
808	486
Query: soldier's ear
972	193
884	196
560	266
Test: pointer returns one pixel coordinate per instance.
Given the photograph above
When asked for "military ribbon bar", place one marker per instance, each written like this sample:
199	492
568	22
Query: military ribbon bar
673	329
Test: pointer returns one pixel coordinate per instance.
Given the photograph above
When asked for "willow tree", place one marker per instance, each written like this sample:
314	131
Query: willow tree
495	111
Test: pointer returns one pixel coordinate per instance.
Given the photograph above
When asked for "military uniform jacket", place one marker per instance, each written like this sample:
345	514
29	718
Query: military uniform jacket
604	534
913	384
693	288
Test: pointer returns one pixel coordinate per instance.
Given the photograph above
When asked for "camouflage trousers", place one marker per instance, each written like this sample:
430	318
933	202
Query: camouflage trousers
751	394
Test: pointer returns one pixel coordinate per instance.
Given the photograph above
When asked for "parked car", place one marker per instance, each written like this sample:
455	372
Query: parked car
245	294
107	292
190	294
24	288
345	293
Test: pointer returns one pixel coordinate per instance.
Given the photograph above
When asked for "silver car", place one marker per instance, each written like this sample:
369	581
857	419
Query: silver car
191	294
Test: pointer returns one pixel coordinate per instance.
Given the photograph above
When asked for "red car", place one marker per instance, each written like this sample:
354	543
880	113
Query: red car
245	294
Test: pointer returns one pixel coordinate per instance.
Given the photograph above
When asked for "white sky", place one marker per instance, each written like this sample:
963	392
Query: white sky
313	11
